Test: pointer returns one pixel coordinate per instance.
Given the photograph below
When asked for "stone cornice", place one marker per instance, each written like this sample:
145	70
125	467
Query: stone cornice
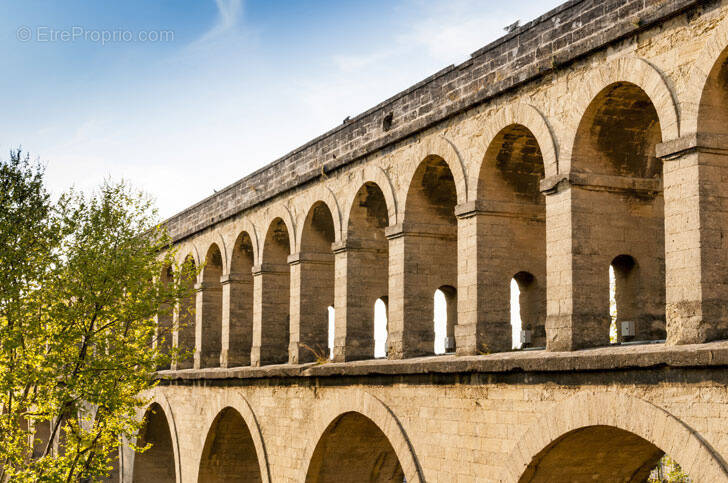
703	142
620	358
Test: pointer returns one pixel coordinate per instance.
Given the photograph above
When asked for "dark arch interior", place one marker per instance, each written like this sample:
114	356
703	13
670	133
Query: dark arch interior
368	216
209	351
275	299
367	265
277	243
712	114
229	453
237	350
242	261
594	453
186	318
618	134
619	208
354	449
165	319
316	272
513	167
430	251
432	195
318	229
157	463
514	212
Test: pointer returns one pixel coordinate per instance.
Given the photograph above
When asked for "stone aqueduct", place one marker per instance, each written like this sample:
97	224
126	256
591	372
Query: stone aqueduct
596	135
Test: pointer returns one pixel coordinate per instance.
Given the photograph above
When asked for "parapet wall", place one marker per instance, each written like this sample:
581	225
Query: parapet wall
556	38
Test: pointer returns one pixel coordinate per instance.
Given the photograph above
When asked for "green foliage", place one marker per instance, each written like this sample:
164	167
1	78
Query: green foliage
80	288
668	471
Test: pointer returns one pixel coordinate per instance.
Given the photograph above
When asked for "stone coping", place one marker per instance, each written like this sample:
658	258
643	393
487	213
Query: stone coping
624	357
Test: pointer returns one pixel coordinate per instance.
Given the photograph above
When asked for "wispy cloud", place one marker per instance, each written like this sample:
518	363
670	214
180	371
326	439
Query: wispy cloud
229	18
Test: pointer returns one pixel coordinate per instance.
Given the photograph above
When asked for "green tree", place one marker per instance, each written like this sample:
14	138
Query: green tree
80	287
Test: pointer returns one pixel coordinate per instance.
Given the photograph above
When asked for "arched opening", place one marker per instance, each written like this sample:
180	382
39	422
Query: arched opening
712	112
511	214
624	296
353	448
366	262
617	207
209	318
156	463
165	321
237	337
271	334
527	314
380	327
428	249
229	453
595	453
312	275
445	309
185	327
41	433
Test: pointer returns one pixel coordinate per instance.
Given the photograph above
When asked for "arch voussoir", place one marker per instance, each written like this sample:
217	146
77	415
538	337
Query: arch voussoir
374	409
627	413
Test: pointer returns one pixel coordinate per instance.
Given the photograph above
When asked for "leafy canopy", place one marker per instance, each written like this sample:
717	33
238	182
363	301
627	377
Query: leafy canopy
80	287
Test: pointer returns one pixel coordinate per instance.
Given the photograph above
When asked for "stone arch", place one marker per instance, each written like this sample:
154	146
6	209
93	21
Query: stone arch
375	175
165	318
365	404
244	227
184	330
283	213
236	401
192	254
713	51
442	148
322	194
427	244
366	254
219	240
623	412
238	285
160	403
615	194
271	318
312	285
429	168
208	326
509	202
630	70
529	117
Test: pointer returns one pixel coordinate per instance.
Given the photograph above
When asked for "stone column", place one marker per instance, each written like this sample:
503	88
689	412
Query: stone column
312	293
237	320
695	171
420	261
496	240
271	298
470	333
208	325
361	278
591	219
183	338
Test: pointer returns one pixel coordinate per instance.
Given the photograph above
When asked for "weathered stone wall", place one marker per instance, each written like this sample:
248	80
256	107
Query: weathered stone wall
595	135
464	419
540	47
590	130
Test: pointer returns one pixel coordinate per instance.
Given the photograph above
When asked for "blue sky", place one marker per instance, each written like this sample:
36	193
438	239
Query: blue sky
232	86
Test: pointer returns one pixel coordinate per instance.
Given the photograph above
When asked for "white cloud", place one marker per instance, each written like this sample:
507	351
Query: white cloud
230	14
